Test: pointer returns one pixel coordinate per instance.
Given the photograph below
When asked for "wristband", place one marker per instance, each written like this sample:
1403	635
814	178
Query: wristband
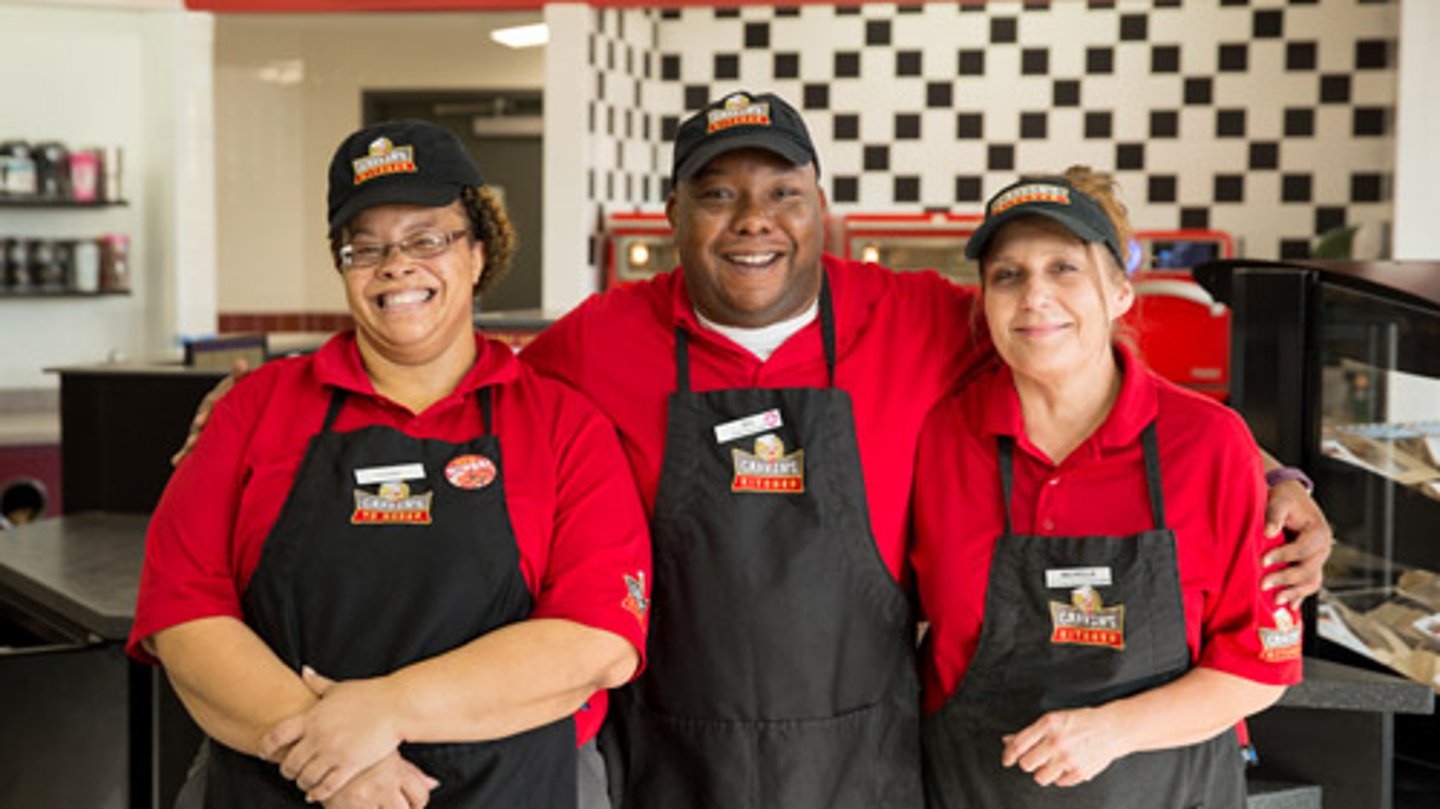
1275	477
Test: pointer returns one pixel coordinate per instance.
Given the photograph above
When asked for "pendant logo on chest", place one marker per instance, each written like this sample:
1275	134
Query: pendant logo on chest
393	503
768	469
1086	621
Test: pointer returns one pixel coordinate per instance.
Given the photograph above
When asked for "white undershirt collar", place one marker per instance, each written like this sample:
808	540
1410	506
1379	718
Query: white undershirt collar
763	341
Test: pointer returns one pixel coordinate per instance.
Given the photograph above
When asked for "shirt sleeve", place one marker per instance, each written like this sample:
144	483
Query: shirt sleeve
189	568
558	351
1244	631
598	572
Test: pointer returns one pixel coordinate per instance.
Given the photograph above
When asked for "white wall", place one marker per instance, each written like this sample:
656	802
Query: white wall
128	78
1417	125
288	89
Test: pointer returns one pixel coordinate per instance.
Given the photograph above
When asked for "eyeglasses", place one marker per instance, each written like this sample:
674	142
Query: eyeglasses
420	245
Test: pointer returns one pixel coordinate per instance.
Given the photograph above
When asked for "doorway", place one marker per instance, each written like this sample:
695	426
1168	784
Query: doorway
503	131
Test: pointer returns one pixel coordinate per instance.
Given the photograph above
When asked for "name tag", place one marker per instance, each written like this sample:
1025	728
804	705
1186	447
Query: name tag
1068	578
389	474
750	425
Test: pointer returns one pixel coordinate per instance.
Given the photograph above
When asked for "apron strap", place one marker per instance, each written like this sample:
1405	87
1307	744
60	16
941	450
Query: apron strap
1151	444
486	405
337	401
827	341
1005	446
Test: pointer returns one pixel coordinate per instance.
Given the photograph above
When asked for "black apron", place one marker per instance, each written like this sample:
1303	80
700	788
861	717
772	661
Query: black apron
781	668
359	579
1098	642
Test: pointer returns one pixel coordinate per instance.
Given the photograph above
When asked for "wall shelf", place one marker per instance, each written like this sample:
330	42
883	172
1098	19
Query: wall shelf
42	202
60	293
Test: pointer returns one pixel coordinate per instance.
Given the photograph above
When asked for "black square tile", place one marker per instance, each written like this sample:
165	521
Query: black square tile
1264	155
1130	156
1004	30
1169	3
1000	157
907	63
727	13
970	62
1098	124
847	11
1229	188
876	158
757	34
1294	248
1295	188
1367	188
727	66
1194	218
968	188
1037	5
877	32
787	11
845	188
1234	57
1033	125
600	86
1100	5
1164	124
1065	93
590	117
845	126
670	66
1134	27
1230	123
1335	89
969	126
1165	59
1268	24
1299	122
696	96
816	96
668	125
1234	2
907	188
910	9
847	64
1099	61
907	126
1372	54
939	94
1369	122
1301	56
669	13
1327	218
787	66
1034	62
1199	90
1161	188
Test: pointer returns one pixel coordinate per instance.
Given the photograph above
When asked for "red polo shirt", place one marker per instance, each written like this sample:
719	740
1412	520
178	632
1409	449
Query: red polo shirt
1214	501
574	510
902	341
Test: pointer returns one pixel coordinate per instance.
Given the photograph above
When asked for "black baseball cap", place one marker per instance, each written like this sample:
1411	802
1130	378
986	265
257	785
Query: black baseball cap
397	162
1052	198
738	121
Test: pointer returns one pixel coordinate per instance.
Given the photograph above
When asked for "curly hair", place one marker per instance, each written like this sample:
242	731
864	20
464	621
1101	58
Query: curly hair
489	224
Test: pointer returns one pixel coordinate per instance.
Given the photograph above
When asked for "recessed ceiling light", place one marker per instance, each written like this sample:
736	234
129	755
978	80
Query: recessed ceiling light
522	36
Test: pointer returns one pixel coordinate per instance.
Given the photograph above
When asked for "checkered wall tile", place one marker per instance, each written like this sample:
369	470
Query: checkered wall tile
1270	119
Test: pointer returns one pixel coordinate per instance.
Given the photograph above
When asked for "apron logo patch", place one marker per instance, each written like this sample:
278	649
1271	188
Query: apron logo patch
1086	621
1282	642
392	504
470	472
636	603
769	469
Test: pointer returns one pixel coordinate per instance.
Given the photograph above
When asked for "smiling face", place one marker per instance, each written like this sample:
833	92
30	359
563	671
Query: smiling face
748	231
1050	299
413	310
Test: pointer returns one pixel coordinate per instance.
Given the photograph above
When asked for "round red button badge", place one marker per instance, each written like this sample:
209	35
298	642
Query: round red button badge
470	472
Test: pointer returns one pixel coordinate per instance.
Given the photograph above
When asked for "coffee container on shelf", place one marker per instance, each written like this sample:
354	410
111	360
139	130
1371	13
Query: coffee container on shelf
115	262
85	175
85	267
112	164
17	170
52	170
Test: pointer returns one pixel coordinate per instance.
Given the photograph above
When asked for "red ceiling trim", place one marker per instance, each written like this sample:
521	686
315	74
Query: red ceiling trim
347	6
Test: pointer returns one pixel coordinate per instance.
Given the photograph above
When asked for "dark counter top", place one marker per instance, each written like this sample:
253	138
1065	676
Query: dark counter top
83	569
1336	686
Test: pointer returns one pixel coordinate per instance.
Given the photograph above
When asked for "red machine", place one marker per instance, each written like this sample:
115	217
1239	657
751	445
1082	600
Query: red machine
637	246
923	241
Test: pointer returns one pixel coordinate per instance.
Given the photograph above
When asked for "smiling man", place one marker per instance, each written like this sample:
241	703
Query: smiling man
769	398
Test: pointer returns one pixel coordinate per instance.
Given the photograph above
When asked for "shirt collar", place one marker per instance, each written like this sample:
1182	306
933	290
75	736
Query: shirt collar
338	363
1136	405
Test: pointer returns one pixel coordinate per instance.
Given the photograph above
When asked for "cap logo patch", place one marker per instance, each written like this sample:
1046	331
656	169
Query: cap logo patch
1026	194
384	158
739	110
769	469
1086	621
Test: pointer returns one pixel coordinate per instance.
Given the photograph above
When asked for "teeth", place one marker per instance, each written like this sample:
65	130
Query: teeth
402	298
753	259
